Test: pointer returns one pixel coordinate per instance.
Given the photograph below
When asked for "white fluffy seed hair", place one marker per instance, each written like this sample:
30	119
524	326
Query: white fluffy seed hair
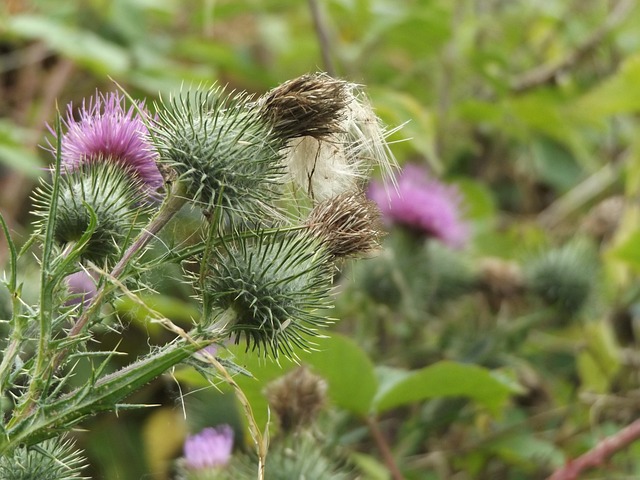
330	166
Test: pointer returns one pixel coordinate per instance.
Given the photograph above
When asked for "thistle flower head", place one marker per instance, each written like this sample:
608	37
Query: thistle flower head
423	205
209	449
331	135
108	132
297	397
348	224
222	150
102	189
274	285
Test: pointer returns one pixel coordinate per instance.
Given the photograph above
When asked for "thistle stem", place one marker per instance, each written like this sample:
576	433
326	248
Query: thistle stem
173	203
600	453
383	446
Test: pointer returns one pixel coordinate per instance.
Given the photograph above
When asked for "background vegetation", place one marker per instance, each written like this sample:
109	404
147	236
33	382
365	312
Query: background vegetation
502	360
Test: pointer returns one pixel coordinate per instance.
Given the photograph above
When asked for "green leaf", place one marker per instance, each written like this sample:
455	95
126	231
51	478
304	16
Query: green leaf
528	450
629	251
83	46
599	363
445	379
618	94
348	371
340	361
370	467
479	203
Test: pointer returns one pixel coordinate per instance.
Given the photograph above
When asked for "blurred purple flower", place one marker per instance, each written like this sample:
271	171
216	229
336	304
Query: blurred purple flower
209	449
422	204
106	131
82	288
210	349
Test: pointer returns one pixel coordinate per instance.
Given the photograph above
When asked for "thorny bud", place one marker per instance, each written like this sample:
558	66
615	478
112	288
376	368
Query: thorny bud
102	189
274	286
297	397
563	277
222	150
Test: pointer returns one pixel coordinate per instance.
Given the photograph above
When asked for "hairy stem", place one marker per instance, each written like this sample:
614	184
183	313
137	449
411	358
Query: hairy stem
173	203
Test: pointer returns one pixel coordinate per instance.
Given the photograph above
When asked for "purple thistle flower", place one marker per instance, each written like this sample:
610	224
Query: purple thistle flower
424	205
210	448
82	288
107	132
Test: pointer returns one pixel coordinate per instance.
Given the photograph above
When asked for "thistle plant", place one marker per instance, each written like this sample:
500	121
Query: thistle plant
261	270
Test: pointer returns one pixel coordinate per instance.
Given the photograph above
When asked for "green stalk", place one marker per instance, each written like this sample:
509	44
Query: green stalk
174	201
102	396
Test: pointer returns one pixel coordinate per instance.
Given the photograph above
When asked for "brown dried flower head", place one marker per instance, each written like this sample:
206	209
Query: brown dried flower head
312	105
603	219
348	224
297	397
500	277
332	138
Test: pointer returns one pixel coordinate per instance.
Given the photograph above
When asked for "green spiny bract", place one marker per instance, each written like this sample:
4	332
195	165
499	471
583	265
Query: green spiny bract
222	150
295	457
563	277
104	189
275	286
54	459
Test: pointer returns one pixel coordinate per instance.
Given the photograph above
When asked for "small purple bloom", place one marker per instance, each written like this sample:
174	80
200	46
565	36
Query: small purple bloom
106	131
210	448
82	288
422	204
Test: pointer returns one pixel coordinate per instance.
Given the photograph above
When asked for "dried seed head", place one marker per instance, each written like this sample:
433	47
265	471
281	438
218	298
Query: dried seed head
348	224
297	398
308	106
501	277
332	139
603	219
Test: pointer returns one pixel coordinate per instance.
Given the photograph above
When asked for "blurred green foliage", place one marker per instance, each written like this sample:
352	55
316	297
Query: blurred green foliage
531	108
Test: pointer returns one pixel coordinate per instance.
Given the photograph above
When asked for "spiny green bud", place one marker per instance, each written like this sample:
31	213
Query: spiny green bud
274	286
106	190
53	459
222	150
563	277
296	457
